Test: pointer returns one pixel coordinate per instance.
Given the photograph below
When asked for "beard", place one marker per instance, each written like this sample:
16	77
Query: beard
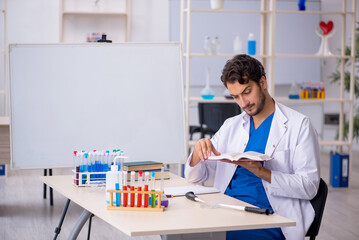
262	100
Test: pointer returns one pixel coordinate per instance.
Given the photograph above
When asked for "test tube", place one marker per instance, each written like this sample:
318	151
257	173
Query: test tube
90	162
125	195
77	167
153	197
133	175
97	163
108	160
117	185
84	160
103	164
139	188
147	180
122	159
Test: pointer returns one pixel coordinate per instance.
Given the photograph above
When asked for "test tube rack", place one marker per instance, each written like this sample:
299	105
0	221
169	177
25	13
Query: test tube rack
86	179
156	208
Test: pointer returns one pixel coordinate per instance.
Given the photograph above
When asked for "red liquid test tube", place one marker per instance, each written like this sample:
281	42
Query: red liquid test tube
125	197
146	197
139	197
132	196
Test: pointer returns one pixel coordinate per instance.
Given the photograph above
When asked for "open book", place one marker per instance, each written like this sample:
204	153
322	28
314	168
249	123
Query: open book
247	156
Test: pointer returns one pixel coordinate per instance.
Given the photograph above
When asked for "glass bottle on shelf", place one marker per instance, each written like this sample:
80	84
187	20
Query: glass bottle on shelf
216	46
251	44
96	5
207	93
207	45
237	45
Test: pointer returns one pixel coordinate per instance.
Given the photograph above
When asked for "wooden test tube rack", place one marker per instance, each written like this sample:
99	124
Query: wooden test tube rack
157	208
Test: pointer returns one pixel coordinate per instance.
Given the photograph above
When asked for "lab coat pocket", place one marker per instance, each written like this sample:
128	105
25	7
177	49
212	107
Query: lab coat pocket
281	161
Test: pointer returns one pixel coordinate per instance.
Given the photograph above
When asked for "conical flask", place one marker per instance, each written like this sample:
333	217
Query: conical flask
207	93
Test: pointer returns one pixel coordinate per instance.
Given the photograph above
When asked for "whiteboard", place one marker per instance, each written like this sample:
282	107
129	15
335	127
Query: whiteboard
67	97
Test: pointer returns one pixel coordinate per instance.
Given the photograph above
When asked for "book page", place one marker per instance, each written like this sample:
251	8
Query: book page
247	156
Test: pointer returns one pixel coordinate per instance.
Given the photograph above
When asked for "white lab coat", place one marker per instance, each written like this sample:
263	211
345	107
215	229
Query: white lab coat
293	144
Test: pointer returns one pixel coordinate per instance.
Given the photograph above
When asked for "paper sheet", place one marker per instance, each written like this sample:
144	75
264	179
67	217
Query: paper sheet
182	190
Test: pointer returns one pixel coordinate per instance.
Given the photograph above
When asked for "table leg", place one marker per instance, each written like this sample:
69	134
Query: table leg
45	174
58	229
89	229
51	192
79	224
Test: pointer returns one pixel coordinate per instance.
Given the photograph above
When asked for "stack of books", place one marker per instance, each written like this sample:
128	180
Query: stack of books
146	166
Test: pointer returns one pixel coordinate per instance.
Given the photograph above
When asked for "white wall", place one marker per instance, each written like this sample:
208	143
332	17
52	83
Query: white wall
37	21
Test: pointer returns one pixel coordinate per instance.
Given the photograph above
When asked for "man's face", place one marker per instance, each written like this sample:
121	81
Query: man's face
250	97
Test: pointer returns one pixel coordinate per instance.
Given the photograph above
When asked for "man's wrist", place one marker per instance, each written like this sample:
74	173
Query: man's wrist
265	174
194	160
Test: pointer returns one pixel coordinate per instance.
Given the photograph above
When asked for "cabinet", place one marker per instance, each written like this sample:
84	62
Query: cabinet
267	54
79	19
4	115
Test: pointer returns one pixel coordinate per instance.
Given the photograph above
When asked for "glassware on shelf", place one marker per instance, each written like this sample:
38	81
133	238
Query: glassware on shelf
312	90
96	5
251	44
301	5
207	93
237	45
207	45
216	46
294	91
217	4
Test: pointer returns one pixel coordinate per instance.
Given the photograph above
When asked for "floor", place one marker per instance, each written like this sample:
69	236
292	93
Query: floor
24	214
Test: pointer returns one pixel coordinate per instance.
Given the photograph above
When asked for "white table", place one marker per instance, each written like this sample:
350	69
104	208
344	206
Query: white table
181	217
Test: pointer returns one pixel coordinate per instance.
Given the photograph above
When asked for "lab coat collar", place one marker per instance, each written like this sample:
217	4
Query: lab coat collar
277	131
246	123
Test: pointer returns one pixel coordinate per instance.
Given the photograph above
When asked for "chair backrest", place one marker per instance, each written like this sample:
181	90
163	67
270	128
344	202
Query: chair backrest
214	114
318	203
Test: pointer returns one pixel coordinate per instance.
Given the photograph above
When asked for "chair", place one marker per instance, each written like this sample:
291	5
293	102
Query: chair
211	117
318	203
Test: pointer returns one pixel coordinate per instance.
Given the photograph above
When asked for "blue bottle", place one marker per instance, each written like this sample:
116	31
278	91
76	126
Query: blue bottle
301	5
251	44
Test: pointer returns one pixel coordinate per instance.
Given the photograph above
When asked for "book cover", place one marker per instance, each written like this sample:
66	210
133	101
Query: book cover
247	156
144	165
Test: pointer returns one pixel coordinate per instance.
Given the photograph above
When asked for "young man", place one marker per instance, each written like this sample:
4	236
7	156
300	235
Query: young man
285	184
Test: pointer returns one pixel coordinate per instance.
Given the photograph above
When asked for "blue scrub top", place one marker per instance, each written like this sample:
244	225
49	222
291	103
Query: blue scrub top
247	187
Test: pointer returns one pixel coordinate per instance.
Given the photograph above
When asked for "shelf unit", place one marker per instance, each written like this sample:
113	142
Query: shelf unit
97	18
267	56
4	119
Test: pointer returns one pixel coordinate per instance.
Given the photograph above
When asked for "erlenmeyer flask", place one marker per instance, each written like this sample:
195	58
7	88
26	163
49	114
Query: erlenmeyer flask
207	93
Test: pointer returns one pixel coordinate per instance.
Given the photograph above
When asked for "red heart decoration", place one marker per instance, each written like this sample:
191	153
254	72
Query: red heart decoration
326	27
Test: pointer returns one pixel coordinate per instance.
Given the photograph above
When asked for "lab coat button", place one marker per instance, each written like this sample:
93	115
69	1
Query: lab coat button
274	146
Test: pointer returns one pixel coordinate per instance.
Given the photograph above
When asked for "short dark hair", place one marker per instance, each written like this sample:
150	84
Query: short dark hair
242	68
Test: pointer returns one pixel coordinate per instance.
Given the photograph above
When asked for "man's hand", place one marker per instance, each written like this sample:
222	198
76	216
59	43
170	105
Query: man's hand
254	167
202	150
